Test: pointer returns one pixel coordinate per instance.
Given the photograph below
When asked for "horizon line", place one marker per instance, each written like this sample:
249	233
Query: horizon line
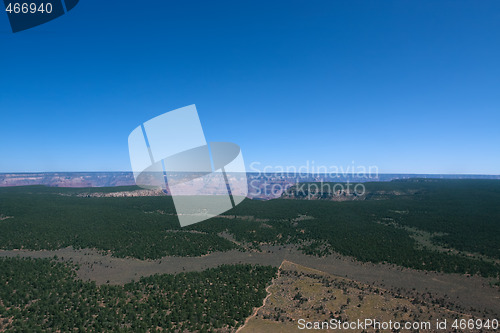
268	172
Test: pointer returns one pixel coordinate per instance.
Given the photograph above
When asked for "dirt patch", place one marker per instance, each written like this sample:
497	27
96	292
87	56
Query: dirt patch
317	297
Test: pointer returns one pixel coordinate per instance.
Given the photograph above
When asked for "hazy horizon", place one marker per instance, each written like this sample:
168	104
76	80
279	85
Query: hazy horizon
270	172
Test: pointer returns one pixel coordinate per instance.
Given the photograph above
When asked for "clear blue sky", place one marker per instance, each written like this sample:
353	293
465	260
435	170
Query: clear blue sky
409	86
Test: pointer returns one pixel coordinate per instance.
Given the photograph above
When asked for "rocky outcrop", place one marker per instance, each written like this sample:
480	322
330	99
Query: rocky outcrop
68	179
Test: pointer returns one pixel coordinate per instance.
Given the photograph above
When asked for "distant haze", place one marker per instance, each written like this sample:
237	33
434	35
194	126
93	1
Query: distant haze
110	179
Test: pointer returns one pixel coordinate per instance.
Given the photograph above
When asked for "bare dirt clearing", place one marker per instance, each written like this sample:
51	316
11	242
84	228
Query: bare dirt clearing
300	292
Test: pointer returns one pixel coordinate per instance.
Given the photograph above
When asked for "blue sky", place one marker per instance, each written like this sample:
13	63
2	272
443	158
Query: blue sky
408	86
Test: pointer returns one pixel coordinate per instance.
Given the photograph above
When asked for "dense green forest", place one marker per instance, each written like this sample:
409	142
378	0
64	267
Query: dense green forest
129	227
39	295
460	216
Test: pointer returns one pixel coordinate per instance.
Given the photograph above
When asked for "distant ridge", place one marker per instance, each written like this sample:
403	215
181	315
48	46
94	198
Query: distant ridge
68	179
123	178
